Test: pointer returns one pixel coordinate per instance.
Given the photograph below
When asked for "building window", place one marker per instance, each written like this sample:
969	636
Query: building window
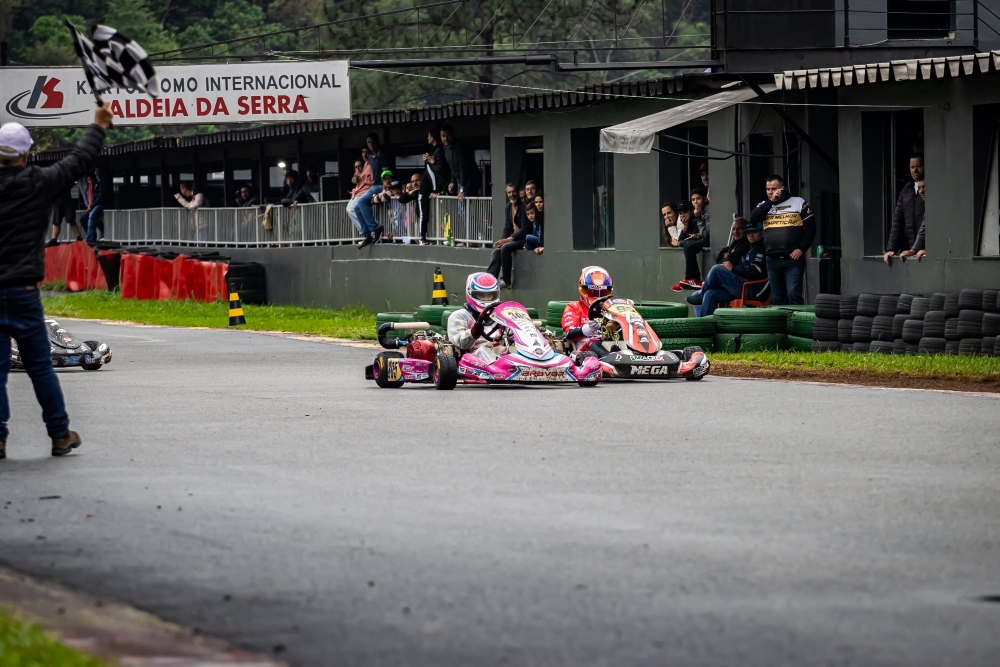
593	175
920	19
889	139
986	174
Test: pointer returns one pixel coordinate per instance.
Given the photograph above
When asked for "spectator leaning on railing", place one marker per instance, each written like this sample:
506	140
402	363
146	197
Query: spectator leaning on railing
917	249
909	213
371	231
435	178
515	229
365	179
26	194
188	198
464	175
247	198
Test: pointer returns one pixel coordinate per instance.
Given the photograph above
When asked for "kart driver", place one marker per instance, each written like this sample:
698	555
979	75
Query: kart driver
464	329
595	283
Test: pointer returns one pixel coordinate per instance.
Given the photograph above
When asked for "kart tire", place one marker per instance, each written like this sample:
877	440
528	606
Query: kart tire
972	346
750	320
92	367
888	305
444	372
380	369
683	327
661	310
848	306
970	299
904	303
882	328
991	297
881	347
869	304
845	331
828	306
800	344
689	351
825	329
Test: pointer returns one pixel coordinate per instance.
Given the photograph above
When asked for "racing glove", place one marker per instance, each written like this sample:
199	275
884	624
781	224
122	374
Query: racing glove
477	330
590	328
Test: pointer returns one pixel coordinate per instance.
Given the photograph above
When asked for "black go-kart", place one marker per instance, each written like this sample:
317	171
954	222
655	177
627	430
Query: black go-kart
67	351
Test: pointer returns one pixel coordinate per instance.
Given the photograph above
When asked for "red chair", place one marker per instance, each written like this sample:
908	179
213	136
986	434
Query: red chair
745	302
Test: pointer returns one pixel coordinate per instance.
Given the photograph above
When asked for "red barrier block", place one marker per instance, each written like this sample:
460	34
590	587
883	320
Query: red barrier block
147	286
57	262
164	278
129	277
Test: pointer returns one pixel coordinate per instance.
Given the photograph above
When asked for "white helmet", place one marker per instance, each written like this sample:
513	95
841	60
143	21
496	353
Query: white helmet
481	291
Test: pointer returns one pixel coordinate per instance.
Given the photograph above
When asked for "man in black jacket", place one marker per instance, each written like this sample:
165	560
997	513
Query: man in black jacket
464	175
725	281
789	228
909	212
515	229
26	194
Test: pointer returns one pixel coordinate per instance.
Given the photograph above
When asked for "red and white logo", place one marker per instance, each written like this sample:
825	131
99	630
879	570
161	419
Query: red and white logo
43	95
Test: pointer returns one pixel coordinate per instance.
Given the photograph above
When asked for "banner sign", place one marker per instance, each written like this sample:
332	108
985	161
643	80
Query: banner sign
189	94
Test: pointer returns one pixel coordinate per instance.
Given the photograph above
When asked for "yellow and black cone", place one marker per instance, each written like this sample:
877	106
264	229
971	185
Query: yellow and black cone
439	297
235	310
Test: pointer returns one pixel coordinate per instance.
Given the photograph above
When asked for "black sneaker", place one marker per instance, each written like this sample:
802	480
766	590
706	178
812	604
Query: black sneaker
66	444
377	234
368	240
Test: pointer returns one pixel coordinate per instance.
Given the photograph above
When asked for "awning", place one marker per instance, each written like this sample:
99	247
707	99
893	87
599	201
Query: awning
636	136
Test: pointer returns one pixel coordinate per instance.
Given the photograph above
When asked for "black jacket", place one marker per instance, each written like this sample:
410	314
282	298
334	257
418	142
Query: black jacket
753	266
733	251
521	222
464	174
26	195
906	220
439	170
788	224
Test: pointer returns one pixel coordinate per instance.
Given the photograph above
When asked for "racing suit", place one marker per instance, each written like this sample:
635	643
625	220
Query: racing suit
460	325
574	319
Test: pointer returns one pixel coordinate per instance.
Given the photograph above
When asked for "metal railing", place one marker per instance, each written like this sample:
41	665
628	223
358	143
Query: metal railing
326	223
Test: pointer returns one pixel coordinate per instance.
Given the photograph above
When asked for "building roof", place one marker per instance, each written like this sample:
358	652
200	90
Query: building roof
651	88
894	70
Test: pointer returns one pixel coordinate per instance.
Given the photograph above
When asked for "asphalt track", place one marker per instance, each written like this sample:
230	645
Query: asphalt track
257	488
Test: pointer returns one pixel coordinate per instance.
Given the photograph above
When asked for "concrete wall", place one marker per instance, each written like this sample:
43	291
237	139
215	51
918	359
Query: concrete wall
950	206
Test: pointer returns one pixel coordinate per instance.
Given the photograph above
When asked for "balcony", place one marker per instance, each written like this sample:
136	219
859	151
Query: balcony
762	36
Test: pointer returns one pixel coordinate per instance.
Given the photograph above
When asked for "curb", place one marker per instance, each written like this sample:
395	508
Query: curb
114	631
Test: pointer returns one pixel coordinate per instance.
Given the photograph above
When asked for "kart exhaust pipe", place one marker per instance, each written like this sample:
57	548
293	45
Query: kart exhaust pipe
398	326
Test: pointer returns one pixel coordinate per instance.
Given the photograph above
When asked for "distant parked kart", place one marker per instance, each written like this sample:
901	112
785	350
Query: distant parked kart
68	351
430	358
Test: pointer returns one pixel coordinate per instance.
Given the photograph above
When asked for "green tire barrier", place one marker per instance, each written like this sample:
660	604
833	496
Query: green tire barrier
800	324
752	342
430	314
406	317
750	320
554	311
446	313
727	343
382	318
797	309
683	327
533	312
705	344
763	342
660	310
800	344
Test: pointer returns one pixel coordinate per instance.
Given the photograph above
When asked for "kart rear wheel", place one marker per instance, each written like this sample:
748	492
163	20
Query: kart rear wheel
92	367
689	352
445	372
380	369
693	378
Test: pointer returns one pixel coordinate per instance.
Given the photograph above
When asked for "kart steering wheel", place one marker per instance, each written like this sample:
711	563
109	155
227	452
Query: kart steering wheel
596	307
484	319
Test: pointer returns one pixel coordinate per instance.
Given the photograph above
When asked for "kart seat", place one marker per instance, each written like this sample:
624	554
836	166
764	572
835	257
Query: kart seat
746	302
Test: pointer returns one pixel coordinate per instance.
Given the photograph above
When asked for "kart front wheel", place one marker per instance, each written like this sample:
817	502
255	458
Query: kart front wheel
587	383
381	372
92	367
445	372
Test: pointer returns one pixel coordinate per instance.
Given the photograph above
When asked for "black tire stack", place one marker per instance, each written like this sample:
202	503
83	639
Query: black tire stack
826	334
249	280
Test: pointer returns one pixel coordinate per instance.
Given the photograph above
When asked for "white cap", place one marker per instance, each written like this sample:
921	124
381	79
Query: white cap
14	140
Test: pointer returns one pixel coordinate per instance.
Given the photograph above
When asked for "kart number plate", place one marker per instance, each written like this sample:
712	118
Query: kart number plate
393	370
71	360
650	370
539	375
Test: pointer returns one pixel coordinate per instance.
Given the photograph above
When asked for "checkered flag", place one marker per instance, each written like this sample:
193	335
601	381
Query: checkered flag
93	65
113	59
126	62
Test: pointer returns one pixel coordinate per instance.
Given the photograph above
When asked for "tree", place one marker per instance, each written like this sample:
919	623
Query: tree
135	19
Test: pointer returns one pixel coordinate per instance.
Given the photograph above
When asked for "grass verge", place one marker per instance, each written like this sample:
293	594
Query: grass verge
27	645
354	323
964	373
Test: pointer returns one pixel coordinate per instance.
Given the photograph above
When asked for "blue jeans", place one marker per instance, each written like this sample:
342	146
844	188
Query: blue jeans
95	222
352	213
365	213
21	317
531	242
785	275
721	286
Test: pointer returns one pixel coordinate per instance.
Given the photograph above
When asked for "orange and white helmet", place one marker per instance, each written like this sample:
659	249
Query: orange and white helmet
595	283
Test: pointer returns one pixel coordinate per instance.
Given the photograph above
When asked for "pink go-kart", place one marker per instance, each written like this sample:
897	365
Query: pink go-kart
523	355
